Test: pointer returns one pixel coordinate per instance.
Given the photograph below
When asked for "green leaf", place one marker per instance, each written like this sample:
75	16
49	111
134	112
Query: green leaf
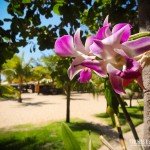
89	143
111	97
56	9
26	1
69	139
139	35
111	113
7	20
112	103
1	23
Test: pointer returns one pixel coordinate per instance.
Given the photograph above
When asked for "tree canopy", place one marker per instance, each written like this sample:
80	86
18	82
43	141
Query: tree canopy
26	21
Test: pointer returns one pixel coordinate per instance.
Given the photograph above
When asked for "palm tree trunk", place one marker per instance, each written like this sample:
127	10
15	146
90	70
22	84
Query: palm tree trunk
20	99
144	22
20	90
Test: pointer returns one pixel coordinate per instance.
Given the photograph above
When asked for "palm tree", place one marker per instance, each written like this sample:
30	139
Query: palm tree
16	69
39	72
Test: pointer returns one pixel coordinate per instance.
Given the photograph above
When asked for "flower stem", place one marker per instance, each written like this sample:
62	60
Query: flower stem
106	143
127	116
122	142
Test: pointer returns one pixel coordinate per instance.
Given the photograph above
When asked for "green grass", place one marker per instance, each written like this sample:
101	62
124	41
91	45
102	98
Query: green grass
47	137
136	114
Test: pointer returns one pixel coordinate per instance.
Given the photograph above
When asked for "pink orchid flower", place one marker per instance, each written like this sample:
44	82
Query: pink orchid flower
67	46
117	54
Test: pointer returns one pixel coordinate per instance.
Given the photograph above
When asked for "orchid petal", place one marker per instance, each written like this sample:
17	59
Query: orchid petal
97	49
117	84
89	42
126	33
106	23
131	64
102	49
140	82
78	43
64	46
72	71
122	53
75	67
99	67
116	38
103	33
136	47
116	81
126	82
85	75
131	71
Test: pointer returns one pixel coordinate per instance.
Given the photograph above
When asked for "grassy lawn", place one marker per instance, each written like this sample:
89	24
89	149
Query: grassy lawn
46	137
136	114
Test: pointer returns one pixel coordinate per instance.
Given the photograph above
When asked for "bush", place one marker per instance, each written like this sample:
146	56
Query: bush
7	91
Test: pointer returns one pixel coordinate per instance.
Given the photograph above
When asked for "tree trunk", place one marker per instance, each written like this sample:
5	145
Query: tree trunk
68	92
146	80
130	102
144	15
20	90
144	22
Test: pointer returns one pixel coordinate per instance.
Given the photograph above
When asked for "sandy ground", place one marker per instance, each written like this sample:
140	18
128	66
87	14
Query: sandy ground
40	108
37	109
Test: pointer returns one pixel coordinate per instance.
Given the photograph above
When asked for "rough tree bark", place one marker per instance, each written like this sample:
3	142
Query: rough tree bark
144	24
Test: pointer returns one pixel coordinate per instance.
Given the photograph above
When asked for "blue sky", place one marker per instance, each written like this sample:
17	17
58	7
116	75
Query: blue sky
26	50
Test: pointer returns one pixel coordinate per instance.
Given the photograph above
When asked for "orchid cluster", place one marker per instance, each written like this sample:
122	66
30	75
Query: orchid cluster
109	53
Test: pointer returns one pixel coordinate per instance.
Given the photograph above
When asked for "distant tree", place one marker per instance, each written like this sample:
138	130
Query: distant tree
57	67
133	89
17	69
40	71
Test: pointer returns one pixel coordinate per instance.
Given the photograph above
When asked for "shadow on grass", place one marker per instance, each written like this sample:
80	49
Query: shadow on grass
13	143
49	137
97	128
31	142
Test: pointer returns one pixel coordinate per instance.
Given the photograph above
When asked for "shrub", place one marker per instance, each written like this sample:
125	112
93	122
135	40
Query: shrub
7	91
